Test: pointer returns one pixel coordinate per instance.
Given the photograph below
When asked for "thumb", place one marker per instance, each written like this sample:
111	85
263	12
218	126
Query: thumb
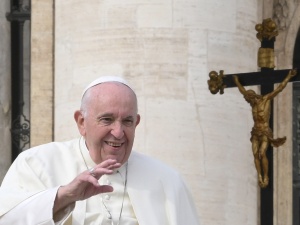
105	188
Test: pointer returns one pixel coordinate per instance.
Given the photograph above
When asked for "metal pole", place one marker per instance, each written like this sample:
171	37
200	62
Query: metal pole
20	128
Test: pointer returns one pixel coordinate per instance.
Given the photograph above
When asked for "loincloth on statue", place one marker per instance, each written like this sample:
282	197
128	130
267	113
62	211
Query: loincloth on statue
267	132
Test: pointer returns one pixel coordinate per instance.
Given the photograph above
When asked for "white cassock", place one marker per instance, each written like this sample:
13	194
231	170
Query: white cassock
155	193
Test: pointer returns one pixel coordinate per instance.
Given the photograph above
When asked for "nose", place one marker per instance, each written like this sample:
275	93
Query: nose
117	130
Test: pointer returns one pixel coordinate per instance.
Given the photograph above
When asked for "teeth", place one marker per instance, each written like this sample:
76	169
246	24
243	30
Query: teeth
114	144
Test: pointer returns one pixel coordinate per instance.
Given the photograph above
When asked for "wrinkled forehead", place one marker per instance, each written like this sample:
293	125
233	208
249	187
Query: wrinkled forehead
106	79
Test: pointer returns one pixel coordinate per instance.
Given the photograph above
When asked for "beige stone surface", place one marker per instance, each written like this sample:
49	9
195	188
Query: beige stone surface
42	34
283	161
283	156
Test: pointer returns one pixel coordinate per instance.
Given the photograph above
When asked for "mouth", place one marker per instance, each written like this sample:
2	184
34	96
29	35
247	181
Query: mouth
113	144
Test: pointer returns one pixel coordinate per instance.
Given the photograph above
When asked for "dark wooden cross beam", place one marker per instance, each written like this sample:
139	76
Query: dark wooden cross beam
265	78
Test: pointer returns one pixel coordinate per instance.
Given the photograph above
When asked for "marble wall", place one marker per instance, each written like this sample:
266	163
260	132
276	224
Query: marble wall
166	50
42	69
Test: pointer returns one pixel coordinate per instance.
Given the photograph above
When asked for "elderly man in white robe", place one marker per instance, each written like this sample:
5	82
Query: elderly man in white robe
96	179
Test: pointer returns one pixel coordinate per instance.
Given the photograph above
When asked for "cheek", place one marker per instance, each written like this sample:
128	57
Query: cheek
130	134
99	132
82	131
90	132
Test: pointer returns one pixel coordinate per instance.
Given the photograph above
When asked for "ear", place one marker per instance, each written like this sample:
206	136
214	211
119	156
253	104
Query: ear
138	119
79	119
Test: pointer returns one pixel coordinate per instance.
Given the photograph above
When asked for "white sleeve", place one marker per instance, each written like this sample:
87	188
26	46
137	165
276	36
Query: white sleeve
37	210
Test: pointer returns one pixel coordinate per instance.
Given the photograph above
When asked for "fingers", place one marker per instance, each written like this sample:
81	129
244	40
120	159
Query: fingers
86	184
99	190
91	171
105	188
109	163
106	167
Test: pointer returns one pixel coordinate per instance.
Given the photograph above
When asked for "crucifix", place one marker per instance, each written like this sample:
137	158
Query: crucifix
262	108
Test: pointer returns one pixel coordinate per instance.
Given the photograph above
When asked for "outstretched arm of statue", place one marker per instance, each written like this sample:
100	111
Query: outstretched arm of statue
282	85
238	84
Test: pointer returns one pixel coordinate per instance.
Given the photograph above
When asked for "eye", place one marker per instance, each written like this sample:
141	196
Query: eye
106	120
128	122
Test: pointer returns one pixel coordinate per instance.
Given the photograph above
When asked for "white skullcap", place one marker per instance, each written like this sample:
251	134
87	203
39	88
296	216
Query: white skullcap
105	79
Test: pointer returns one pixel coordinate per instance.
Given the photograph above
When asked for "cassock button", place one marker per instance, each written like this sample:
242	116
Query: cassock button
109	216
107	197
108	182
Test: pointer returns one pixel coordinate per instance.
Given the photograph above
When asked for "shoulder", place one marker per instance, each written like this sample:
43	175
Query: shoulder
48	151
155	175
45	166
48	160
149	165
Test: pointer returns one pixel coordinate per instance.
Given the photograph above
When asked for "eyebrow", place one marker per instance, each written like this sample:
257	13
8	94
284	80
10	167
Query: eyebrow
104	115
129	117
112	115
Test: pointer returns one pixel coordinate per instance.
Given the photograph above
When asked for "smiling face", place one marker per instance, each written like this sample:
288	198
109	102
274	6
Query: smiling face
107	120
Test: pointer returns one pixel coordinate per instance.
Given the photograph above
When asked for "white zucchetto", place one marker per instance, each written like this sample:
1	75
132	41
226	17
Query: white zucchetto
105	79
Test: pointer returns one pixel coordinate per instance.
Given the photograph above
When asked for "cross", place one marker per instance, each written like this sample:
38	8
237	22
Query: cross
266	78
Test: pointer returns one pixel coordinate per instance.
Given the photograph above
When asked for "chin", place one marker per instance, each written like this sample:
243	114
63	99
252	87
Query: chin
115	157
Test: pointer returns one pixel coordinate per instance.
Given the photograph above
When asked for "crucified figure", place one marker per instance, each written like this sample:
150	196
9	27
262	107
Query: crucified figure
261	134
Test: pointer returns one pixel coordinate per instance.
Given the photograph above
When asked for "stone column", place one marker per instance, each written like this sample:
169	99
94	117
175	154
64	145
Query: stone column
42	34
287	14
